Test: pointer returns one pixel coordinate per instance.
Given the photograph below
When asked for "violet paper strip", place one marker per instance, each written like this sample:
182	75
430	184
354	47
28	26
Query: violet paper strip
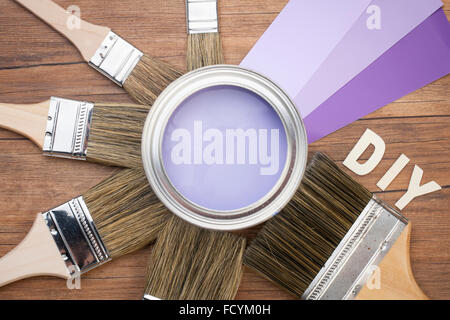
301	38
421	57
383	24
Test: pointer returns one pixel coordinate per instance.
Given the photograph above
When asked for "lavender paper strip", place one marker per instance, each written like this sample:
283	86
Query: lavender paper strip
362	45
419	58
301	38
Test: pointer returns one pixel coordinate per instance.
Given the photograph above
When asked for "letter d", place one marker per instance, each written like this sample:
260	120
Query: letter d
368	138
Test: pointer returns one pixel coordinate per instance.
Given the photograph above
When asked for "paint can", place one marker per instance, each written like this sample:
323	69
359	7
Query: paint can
224	148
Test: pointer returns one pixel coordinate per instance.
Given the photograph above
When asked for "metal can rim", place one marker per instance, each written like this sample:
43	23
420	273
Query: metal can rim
168	102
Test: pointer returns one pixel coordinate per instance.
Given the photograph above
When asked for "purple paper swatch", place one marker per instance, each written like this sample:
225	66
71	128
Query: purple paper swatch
421	57
301	38
383	24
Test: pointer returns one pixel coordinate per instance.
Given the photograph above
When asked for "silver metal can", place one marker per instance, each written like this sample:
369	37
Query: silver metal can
167	169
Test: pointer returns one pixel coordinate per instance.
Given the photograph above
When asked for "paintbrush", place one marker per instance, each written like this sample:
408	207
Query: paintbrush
116	217
106	133
143	77
204	47
335	240
208	263
191	263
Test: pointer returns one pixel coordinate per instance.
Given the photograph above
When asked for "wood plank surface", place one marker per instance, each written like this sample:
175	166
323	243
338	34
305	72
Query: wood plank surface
36	62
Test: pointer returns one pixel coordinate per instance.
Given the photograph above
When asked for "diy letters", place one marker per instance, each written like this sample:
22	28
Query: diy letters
414	189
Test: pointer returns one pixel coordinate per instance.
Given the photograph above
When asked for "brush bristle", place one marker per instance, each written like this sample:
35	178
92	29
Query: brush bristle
115	134
149	78
204	49
294	245
191	263
126	212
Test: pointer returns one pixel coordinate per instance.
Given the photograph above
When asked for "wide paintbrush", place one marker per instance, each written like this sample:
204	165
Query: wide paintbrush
142	76
116	217
335	240
108	133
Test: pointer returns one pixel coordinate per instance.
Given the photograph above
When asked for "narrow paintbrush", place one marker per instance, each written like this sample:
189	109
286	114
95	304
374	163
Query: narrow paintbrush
103	132
143	77
333	237
190	263
204	47
118	216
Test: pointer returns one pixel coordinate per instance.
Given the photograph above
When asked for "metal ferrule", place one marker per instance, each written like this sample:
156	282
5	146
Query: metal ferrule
202	16
67	131
353	261
76	236
115	58
149	297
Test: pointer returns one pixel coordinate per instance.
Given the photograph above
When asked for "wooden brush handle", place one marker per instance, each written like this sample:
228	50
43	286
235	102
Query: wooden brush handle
87	38
27	120
36	255
397	280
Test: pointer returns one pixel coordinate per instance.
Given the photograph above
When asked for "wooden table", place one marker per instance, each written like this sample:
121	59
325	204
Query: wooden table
36	62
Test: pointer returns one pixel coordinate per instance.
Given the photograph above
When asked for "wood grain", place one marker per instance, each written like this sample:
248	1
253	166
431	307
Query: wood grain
36	62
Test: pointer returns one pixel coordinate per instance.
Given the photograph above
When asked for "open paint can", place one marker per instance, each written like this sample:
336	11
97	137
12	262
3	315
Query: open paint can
224	148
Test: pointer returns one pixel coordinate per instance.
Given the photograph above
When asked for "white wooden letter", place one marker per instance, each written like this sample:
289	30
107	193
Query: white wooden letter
415	189
368	138
393	172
